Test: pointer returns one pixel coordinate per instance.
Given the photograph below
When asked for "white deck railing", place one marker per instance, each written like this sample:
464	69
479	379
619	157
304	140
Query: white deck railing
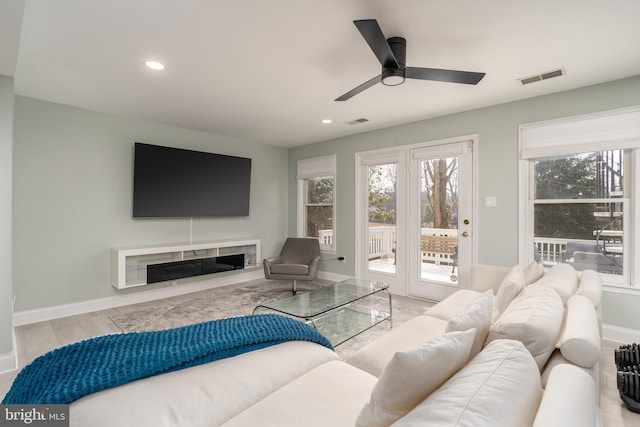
382	240
550	249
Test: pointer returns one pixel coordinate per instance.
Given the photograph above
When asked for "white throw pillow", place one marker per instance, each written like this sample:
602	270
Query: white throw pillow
413	375
478	315
500	387
563	278
511	286
532	272
534	318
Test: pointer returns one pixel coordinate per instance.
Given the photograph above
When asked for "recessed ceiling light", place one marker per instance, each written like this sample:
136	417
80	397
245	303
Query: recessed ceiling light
327	121
154	65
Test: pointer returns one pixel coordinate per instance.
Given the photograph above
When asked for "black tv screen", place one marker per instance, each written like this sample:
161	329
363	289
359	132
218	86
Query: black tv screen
173	182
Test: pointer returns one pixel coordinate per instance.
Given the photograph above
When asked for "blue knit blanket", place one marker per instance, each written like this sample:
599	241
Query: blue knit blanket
70	372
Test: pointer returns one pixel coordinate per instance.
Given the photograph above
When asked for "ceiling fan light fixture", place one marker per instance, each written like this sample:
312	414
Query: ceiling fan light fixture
154	65
391	77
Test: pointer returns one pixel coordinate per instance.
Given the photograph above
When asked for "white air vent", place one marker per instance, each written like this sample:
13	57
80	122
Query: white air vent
358	121
544	76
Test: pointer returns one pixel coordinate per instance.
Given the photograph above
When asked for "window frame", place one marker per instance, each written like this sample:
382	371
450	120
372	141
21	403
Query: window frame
617	129
316	167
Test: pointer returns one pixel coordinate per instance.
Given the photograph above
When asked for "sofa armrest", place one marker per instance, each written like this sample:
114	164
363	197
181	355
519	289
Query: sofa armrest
580	341
570	399
268	262
314	266
485	277
274	260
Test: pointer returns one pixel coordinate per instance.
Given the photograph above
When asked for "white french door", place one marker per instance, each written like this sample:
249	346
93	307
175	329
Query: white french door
441	229
381	211
414	210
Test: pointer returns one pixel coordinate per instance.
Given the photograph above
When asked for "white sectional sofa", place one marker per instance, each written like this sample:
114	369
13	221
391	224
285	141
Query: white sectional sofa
518	349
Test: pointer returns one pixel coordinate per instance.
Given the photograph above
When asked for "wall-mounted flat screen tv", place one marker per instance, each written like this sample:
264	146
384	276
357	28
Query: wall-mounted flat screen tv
174	182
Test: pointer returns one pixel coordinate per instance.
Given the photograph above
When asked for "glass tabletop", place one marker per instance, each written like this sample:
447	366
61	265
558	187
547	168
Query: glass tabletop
318	301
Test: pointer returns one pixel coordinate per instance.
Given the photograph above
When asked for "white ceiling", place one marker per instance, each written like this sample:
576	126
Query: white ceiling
269	71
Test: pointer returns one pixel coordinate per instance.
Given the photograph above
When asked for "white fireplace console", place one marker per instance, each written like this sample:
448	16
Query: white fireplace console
129	265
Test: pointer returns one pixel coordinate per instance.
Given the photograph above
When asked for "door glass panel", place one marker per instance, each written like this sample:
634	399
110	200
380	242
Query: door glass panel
439	183
381	211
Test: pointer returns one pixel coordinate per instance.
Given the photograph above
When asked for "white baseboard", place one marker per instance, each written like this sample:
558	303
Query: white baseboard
48	313
8	362
621	335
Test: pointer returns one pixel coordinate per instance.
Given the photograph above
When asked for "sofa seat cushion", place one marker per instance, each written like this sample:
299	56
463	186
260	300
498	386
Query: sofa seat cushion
570	399
580	341
204	395
414	374
563	278
454	304
331	394
375	356
477	315
535	318
294	269
499	387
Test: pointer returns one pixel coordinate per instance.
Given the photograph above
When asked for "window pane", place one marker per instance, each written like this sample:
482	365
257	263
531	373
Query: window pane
381	212
439	219
585	235
320	190
319	221
580	176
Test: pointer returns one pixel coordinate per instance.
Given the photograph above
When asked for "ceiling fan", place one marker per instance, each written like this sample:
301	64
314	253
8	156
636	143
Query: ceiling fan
392	53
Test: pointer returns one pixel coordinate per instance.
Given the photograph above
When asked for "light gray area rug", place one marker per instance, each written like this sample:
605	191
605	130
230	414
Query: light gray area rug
240	300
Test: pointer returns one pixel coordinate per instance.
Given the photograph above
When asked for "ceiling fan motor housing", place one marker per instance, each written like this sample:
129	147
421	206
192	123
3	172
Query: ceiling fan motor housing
391	54
394	76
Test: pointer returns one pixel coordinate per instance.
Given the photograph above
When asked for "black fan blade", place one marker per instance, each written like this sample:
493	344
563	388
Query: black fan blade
357	90
451	76
374	37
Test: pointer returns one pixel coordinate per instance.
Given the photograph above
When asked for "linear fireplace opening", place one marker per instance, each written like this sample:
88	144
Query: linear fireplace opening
193	267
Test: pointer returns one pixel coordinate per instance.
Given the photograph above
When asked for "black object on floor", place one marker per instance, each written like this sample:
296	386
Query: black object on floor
627	359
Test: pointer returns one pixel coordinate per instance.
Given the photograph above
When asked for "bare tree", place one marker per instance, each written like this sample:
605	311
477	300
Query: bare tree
440	180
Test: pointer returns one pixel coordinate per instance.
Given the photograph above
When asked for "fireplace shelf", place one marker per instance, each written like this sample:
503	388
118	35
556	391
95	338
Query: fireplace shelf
130	265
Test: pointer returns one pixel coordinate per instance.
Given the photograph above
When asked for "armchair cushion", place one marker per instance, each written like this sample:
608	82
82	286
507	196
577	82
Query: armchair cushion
296	269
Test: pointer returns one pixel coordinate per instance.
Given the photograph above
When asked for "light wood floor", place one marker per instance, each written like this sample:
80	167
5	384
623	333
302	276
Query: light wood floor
38	338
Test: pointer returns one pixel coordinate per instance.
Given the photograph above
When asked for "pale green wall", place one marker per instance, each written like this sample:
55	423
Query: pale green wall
497	128
72	197
72	189
6	126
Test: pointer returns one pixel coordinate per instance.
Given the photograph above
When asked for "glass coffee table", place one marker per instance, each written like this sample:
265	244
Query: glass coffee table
340	311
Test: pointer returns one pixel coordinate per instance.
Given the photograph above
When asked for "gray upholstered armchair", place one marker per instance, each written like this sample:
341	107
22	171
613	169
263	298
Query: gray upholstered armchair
298	260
